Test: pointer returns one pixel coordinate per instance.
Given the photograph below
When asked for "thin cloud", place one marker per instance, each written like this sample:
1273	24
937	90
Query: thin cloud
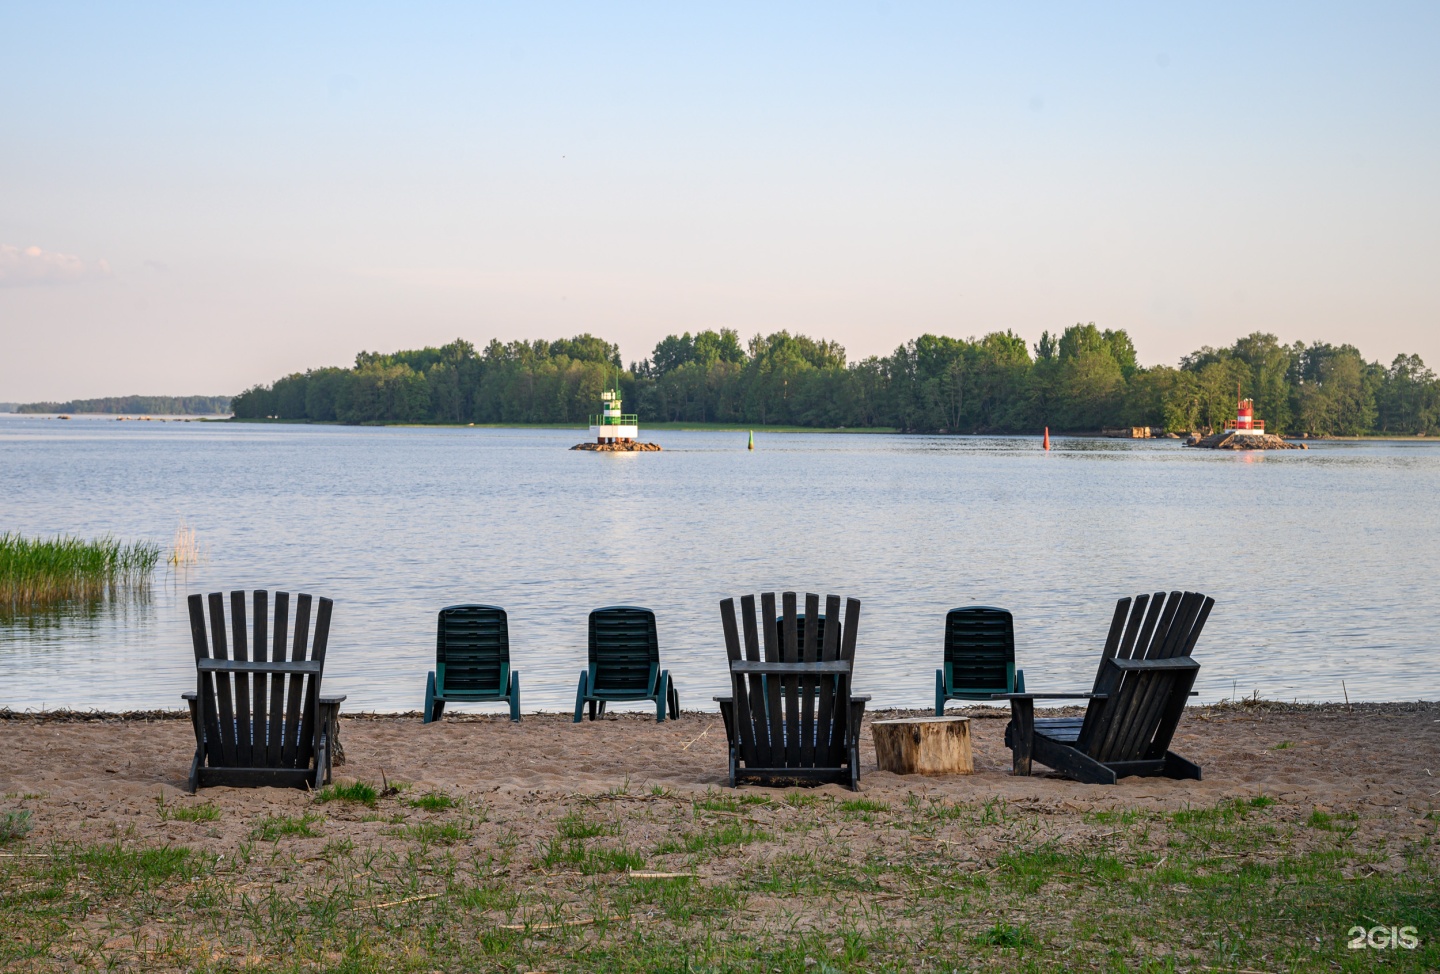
20	266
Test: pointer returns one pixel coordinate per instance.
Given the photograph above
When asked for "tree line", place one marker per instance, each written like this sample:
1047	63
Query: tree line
144	405
1083	378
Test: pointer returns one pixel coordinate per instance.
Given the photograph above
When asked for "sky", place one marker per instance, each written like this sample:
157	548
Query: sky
195	198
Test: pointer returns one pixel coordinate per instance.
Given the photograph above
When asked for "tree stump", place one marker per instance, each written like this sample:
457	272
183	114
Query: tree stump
924	745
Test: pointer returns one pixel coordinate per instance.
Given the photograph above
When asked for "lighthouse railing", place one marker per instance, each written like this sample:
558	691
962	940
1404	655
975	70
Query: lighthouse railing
622	419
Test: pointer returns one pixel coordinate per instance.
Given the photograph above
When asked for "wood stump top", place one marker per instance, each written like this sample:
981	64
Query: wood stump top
923	745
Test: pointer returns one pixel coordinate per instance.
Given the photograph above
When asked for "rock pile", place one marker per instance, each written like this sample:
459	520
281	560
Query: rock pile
1230	441
631	447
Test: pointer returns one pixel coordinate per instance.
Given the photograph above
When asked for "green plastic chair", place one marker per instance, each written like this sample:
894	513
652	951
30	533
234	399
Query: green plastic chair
979	656
624	664
472	660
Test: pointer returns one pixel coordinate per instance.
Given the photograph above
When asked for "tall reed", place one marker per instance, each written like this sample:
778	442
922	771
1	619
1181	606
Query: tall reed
184	550
38	571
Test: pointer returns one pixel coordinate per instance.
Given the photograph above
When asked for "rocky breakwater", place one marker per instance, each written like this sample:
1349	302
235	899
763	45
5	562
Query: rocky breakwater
631	447
1232	441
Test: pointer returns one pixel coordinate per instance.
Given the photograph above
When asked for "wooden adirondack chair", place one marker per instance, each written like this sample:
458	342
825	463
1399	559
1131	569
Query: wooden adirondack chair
979	656
625	664
472	660
258	717
1140	692
790	715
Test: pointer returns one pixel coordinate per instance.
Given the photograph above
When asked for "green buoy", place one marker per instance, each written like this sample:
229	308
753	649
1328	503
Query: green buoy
752	441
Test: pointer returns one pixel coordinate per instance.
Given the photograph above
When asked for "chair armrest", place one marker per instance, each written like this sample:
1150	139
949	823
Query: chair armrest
1137	665
339	699
189	695
723	699
856	696
1049	696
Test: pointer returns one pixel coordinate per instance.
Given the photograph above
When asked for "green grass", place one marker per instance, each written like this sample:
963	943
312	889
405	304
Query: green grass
435	833
14	825
728	804
273	828
575	826
355	791
1245	884
1004	935
40	571
200	812
728	834
432	801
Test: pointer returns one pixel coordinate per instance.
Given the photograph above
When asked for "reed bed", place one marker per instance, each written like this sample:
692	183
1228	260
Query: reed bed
41	571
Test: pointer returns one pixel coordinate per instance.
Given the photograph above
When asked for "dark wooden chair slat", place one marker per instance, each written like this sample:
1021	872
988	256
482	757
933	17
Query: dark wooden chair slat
244	729
755	698
207	726
1139	696
275	732
790	653
809	686
1118	642
774	694
825	754
745	726
803	723
260	681
1151	698
239	699
296	692
306	744
221	650
1177	646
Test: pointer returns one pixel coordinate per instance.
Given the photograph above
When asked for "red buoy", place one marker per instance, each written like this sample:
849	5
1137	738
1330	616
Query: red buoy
1047	437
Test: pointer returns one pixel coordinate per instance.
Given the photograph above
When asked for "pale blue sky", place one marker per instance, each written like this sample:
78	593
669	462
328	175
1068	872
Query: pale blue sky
193	199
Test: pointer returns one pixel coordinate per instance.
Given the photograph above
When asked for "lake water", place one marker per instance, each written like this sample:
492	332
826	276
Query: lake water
1323	563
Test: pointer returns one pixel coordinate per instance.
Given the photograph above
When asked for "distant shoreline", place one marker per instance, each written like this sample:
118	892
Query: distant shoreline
699	428
742	428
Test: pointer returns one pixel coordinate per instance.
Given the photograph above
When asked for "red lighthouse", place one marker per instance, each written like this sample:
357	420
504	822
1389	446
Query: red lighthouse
1245	421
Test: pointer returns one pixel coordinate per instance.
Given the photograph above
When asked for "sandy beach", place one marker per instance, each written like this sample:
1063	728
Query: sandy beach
88	773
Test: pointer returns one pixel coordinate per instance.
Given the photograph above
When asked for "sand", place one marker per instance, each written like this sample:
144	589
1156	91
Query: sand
83	778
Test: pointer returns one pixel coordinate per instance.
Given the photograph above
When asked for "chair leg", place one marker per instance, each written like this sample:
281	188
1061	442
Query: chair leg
939	693
322	761
429	714
194	781
335	752
662	696
1021	735
515	697
1178	767
674	702
580	695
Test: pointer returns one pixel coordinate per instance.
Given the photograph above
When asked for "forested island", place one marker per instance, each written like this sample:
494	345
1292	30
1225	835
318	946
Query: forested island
136	405
1084	378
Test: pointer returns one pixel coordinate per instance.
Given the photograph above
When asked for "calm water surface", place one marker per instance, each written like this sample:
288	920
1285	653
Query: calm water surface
1323	563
